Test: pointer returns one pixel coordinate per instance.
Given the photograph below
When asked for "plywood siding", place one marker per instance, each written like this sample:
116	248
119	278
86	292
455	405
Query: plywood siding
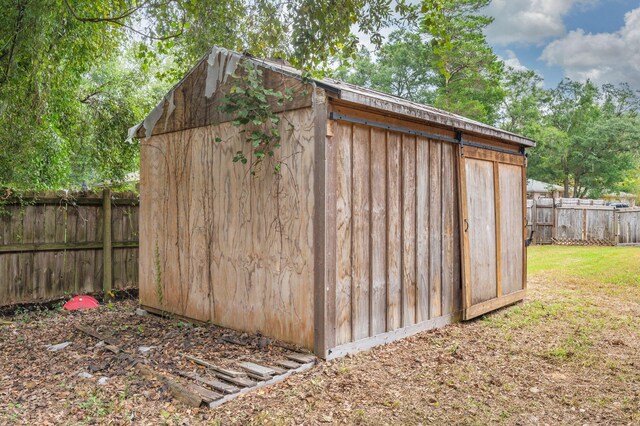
221	245
397	239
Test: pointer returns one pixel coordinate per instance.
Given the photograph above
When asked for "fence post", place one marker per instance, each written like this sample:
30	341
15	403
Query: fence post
616	227
107	265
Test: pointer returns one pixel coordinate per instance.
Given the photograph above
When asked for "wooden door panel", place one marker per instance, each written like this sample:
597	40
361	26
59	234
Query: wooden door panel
482	242
492	213
511	226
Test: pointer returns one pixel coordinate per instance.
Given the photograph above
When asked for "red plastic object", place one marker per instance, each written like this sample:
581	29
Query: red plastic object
81	302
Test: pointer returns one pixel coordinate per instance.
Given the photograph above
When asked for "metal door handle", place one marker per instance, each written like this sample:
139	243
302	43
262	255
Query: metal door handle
466	225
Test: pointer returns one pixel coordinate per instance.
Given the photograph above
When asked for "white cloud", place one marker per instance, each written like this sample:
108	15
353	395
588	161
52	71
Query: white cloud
512	61
602	57
529	21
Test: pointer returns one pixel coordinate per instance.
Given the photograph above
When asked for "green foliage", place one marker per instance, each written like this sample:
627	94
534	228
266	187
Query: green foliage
401	68
251	105
469	72
157	275
70	89
587	137
68	93
522	107
445	62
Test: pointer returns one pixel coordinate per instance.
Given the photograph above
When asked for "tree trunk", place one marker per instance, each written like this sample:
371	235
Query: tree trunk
14	41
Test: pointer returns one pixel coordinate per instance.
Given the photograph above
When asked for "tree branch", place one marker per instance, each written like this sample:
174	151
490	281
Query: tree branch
117	20
112	19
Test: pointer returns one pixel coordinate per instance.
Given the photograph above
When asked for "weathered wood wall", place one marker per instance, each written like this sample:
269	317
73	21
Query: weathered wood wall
218	244
195	100
397	231
51	247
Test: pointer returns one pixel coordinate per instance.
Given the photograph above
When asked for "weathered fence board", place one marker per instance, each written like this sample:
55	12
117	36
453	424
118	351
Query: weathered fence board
544	221
582	222
628	226
51	246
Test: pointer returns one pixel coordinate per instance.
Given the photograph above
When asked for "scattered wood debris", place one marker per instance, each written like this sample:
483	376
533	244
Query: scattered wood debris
199	388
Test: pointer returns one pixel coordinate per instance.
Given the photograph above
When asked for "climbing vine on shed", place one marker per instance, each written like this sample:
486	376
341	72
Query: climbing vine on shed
251	103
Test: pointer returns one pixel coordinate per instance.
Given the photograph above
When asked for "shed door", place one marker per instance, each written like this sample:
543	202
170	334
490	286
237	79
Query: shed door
493	228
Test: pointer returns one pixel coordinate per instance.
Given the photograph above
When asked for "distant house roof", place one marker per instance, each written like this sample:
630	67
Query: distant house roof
539	186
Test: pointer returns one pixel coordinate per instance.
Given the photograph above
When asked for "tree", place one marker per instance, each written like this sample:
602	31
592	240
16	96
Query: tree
69	90
469	72
401	68
587	139
445	61
522	106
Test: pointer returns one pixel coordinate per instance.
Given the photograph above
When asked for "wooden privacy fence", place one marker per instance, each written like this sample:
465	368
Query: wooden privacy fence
53	245
628	226
582	222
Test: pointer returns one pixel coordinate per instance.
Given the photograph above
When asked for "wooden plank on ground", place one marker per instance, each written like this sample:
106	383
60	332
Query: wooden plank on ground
278	370
208	396
226	372
287	364
257	370
301	358
214	384
269	382
240	381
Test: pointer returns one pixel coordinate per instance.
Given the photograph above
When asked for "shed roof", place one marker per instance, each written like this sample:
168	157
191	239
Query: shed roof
360	95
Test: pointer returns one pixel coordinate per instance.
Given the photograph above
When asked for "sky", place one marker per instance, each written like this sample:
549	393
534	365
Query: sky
579	39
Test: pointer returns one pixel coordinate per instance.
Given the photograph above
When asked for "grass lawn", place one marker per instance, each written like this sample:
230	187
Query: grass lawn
570	354
595	265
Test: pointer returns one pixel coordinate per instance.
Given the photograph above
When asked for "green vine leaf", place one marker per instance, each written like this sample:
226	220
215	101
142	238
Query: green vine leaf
250	103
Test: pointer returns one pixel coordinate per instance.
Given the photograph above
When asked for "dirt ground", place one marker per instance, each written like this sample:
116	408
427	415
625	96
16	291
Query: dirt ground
570	354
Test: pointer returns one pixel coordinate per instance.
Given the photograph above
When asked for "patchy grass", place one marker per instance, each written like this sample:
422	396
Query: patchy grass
570	354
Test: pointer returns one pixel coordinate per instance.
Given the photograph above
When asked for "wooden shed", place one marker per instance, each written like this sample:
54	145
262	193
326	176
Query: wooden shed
387	218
